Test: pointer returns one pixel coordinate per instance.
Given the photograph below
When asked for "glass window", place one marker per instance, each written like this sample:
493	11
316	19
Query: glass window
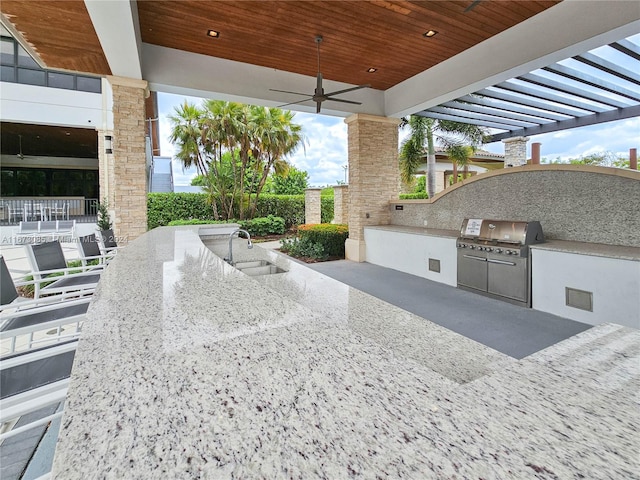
59	183
31	77
92	188
25	60
89	84
75	183
7	183
60	80
8	74
4	32
7	52
31	182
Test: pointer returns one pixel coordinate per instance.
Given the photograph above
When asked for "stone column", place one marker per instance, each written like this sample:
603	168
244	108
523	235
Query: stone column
515	151
312	205
341	204
374	176
126	178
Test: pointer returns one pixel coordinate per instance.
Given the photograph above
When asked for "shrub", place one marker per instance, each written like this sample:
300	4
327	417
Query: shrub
326	208
262	226
195	221
414	196
303	248
330	237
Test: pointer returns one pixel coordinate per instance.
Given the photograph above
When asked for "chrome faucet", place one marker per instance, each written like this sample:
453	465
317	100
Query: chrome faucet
229	258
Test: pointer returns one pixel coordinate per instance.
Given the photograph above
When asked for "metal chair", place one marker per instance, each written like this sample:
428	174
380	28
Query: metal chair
14	212
33	388
108	240
89	249
26	323
48	263
61	209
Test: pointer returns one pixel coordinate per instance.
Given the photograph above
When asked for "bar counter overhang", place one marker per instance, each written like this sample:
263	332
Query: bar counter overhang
188	368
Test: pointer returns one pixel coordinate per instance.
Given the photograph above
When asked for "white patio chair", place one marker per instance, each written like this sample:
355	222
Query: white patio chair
48	263
33	388
26	324
89	249
14	212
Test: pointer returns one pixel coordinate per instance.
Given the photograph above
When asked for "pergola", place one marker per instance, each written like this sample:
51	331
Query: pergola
474	61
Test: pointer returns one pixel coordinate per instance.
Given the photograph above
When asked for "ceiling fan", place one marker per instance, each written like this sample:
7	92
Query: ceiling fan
318	95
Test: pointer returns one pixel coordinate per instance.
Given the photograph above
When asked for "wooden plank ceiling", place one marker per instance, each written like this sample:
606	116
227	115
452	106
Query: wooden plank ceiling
358	35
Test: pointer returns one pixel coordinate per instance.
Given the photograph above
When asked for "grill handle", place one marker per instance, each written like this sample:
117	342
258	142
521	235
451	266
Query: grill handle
473	257
500	262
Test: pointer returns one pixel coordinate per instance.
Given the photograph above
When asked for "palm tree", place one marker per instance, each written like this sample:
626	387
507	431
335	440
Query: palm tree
232	144
275	137
451	135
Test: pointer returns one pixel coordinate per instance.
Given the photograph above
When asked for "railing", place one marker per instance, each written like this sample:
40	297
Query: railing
16	209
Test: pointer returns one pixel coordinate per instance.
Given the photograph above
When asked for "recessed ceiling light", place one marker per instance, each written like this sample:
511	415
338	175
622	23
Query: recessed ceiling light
429	33
372	70
213	33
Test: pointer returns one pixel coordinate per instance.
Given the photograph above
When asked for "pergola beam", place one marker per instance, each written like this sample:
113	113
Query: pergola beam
594	119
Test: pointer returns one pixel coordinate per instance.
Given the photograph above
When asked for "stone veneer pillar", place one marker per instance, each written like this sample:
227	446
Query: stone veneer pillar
515	151
312	205
341	204
374	176
124	183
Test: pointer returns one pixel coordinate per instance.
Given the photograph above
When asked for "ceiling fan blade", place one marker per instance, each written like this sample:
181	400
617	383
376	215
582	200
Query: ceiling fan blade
338	92
295	103
343	101
286	91
318	106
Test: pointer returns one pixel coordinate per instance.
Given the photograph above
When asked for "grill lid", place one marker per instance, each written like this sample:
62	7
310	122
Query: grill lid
502	231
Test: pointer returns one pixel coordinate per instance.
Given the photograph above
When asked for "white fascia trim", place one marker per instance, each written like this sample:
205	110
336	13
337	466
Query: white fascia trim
569	28
175	71
118	29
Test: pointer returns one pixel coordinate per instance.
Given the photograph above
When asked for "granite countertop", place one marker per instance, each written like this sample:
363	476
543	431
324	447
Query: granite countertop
593	249
188	368
434	232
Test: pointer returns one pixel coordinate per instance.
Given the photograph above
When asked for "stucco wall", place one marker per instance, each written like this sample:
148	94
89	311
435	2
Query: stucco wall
588	204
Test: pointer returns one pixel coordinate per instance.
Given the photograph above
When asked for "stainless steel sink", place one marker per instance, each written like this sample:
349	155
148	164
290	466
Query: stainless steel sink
258	267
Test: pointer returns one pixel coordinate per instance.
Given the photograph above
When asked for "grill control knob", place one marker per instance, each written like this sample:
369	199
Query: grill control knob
471	247
488	249
498	250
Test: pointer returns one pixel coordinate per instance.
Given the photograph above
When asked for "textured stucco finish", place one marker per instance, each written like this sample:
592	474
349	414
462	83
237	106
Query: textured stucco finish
574	205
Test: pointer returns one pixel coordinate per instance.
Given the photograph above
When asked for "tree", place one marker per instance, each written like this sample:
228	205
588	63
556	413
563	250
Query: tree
424	132
294	182
234	148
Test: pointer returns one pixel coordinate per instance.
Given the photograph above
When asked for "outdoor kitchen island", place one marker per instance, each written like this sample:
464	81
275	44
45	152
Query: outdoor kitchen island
189	368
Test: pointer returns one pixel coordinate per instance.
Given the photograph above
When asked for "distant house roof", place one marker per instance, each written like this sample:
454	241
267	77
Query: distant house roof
480	156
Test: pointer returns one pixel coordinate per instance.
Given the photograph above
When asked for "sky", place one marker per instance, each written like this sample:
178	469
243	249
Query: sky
324	155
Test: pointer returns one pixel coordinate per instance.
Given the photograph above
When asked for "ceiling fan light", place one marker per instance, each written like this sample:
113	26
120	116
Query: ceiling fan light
430	33
372	70
213	33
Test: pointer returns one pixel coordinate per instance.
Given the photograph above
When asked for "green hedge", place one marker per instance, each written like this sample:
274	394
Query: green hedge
414	196
330	236
163	208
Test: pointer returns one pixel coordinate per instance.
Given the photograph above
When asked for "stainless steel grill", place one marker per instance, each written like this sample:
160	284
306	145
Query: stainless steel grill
493	258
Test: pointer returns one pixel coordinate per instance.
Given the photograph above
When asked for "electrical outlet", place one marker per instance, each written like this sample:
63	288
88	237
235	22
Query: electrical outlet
425	223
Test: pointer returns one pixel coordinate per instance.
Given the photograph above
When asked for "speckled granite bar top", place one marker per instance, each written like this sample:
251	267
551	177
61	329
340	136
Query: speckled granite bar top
593	249
188	368
434	232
